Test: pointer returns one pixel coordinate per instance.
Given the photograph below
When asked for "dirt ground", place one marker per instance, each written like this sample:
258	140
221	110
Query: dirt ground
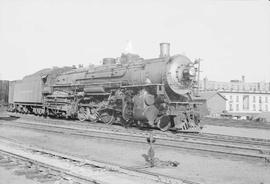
195	167
233	131
235	123
7	177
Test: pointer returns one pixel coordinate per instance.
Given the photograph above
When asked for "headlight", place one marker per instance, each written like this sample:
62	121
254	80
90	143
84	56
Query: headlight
192	71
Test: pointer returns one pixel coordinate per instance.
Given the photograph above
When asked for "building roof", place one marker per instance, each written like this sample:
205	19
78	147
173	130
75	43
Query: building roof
206	95
245	92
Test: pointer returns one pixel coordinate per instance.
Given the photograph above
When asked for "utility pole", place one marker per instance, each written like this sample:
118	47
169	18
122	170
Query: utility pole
198	62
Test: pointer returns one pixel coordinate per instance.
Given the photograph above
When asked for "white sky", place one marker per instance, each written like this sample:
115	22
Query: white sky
232	37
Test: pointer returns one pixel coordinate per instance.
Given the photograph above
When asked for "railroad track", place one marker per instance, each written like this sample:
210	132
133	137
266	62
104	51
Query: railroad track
46	165
236	123
251	149
132	130
267	127
33	168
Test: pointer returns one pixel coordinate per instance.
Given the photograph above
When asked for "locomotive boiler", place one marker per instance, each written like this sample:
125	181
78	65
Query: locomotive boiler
129	90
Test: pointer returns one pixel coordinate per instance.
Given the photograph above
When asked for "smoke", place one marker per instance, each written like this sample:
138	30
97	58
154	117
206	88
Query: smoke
129	48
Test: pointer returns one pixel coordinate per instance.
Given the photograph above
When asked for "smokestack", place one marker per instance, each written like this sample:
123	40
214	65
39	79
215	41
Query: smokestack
164	49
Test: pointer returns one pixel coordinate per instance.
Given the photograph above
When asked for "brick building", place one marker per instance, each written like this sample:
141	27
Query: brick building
212	103
234	85
243	98
247	102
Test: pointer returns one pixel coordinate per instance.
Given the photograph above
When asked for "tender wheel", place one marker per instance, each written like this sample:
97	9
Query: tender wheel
107	117
82	115
163	123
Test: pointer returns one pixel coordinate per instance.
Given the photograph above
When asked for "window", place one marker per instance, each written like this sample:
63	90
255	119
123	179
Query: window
245	102
260	99
231	108
254	99
260	107
44	78
266	99
231	98
237	98
237	107
254	107
266	107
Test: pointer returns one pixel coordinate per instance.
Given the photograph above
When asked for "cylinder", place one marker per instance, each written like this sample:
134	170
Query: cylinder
164	49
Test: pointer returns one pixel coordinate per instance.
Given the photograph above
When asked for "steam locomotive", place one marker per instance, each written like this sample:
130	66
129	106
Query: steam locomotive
128	90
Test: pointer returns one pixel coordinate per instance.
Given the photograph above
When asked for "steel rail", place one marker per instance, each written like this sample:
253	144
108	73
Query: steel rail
160	178
61	171
162	142
175	139
208	136
236	123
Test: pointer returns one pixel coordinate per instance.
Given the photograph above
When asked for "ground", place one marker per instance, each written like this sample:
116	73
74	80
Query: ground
193	166
235	123
7	177
237	131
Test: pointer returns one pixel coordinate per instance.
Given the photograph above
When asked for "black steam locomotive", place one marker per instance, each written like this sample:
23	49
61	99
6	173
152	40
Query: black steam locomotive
129	90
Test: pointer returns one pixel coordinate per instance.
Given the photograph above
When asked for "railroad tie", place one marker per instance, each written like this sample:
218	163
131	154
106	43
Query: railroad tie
31	174
47	178
21	170
42	176
63	181
9	164
4	161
